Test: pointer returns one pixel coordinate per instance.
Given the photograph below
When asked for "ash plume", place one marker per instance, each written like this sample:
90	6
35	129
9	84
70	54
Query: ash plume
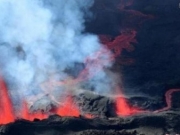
42	40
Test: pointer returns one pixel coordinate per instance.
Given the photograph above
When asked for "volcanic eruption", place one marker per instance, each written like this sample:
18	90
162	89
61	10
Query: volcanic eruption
64	59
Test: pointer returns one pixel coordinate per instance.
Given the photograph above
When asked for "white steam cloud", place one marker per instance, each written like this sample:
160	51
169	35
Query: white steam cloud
40	40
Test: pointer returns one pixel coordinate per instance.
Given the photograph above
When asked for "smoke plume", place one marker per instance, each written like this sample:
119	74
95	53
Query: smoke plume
44	41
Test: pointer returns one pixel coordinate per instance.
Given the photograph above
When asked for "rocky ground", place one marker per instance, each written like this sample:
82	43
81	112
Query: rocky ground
149	123
155	70
144	124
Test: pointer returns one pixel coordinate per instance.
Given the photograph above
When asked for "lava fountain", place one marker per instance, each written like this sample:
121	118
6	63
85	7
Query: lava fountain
68	108
124	109
6	108
39	50
7	113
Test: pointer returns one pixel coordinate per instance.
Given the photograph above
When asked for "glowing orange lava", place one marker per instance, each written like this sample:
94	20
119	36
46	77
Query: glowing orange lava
31	116
68	109
124	109
6	109
7	114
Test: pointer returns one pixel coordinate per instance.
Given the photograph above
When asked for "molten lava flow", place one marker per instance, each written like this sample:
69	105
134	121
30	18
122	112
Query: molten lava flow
68	108
95	62
168	97
123	41
124	109
6	109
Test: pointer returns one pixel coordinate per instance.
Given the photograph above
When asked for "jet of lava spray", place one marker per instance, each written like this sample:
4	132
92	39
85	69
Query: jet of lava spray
6	112
123	108
40	40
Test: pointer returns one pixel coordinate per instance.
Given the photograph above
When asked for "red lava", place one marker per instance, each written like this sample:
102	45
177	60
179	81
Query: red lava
124	109
31	115
168	98
69	108
6	109
7	114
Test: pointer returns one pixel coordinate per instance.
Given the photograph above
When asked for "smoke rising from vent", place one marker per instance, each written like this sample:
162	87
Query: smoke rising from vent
42	40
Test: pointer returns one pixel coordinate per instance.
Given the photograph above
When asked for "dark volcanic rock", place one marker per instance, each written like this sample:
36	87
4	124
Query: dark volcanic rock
103	106
147	124
176	100
96	105
146	103
156	54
